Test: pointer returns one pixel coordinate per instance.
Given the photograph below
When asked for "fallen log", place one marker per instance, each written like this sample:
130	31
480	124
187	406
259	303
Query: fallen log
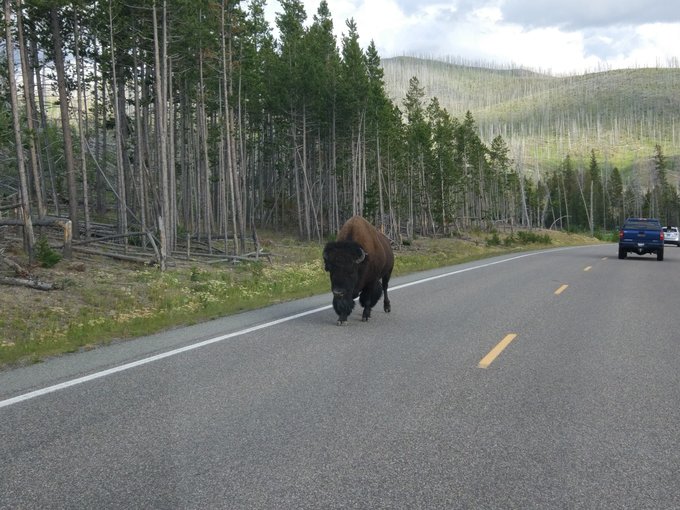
108	238
118	256
26	282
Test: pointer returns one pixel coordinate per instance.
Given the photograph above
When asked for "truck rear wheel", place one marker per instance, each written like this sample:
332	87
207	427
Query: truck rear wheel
622	253
659	255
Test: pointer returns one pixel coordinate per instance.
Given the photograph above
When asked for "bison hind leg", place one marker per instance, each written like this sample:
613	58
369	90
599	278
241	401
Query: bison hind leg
386	300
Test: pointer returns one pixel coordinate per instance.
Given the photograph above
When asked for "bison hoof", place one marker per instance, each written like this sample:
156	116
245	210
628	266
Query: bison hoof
388	308
341	322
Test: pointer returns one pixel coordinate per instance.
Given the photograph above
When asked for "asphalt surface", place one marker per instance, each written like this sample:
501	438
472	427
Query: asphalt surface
281	408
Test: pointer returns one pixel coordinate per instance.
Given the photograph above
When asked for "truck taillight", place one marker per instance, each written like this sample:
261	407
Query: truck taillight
621	234
661	236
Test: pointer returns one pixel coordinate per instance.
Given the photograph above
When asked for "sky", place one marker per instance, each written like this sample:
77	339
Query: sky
557	37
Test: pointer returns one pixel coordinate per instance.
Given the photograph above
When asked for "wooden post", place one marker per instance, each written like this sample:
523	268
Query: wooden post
164	241
67	225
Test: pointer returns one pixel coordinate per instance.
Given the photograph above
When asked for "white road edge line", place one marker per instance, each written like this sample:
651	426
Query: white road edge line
121	368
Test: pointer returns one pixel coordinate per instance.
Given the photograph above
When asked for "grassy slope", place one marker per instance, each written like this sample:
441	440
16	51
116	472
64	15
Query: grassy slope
621	114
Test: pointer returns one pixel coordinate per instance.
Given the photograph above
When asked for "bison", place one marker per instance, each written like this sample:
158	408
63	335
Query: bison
360	263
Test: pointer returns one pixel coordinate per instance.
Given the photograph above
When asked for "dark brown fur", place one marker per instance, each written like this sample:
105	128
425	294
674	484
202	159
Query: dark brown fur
360	264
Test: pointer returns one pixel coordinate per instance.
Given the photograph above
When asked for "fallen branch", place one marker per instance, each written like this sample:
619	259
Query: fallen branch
231	258
20	271
25	282
10	206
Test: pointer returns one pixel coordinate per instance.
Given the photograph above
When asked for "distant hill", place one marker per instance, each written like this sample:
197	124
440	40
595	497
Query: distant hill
621	114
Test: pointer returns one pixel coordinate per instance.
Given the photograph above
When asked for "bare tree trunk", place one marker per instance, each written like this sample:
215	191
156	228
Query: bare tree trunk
172	184
303	165
119	115
140	152
335	217
202	130
296	175
43	126
222	193
161	130
238	164
100	143
245	203
227	126
81	130
28	94
310	210
525	210
362	164
25	204
379	176
65	125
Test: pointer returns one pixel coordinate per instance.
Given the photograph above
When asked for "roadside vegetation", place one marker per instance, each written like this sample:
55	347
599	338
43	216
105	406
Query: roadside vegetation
101	301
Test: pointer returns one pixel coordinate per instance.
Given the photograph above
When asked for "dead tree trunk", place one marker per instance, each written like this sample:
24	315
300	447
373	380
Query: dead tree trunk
29	240
65	125
28	91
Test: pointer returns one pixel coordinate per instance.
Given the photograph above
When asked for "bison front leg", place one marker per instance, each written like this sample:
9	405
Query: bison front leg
365	302
368	299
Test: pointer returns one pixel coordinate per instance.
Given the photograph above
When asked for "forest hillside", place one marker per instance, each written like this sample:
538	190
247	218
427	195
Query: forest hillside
167	128
622	114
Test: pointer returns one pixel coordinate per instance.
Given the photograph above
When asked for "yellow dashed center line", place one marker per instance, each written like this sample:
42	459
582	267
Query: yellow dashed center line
588	268
493	354
561	290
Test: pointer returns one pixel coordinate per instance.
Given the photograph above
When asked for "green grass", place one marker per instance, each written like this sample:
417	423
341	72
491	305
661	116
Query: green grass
111	302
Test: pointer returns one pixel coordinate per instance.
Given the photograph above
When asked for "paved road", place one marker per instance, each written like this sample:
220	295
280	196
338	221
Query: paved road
578	405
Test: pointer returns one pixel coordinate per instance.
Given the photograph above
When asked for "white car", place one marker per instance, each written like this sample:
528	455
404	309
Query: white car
671	236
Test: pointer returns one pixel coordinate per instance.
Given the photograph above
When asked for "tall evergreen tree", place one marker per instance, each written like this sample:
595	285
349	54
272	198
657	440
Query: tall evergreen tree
354	87
594	194
615	197
418	146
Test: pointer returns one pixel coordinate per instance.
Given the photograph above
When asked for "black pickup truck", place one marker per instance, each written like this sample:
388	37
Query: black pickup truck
641	235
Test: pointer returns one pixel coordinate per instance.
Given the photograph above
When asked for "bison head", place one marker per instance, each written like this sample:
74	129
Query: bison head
344	261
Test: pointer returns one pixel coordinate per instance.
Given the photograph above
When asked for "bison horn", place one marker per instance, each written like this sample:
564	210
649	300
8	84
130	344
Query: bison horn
363	256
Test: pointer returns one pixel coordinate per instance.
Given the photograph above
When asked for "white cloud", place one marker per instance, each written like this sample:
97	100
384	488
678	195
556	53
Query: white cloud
519	32
660	43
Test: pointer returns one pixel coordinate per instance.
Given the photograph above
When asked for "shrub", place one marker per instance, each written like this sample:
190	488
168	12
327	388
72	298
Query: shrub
494	240
531	237
46	255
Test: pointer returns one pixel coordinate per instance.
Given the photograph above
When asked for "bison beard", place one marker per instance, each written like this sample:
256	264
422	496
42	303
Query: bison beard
360	264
